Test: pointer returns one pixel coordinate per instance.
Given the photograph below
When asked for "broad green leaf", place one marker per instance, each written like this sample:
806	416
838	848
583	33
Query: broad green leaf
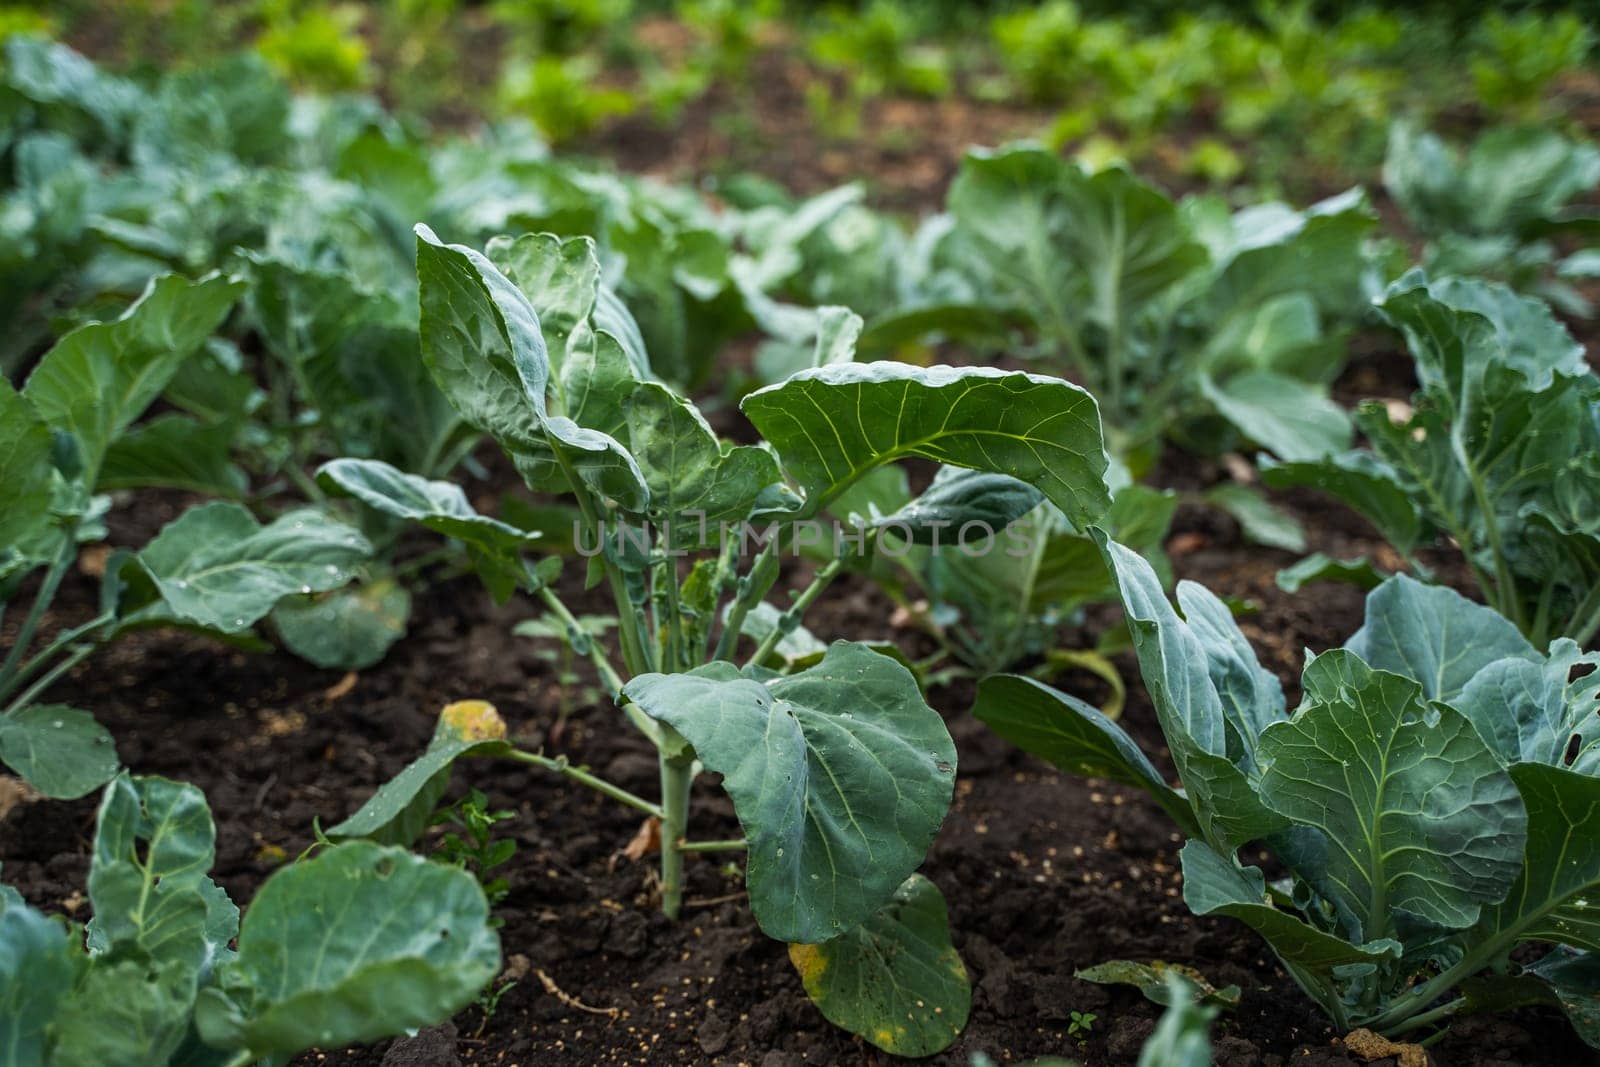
216	566
1067	245
1258	519
894	979
126	1014
38	968
1158	980
353	356
148	884
1208	736
1574	980
399	811
1214	885
360	942
1461	331
597	356
62	752
350	629
25	471
175	452
234	107
693	478
1512	177
1075	737
102	376
1288	265
307	314
1318	567
834	424
1556	896
1010	594
482	343
1435	635
840	775
1413	811
956	497
561	278
1252	698
68	87
1531	712
829	337
1363	482
215	386
440	506
1292	419
1183	1036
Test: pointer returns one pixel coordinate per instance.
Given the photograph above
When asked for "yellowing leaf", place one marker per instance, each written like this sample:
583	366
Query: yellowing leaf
473	720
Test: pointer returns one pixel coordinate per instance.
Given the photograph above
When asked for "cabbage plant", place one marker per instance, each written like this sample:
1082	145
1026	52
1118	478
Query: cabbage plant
361	942
839	772
1433	798
70	435
1499	452
1186	321
1496	207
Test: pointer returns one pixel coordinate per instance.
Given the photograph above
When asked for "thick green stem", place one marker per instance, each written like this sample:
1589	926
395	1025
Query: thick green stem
677	776
1442	983
41	602
559	765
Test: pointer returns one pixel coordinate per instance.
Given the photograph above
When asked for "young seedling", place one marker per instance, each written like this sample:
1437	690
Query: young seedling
839	771
475	848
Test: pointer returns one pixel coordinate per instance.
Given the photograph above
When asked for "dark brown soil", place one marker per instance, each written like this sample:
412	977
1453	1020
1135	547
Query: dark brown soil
1043	873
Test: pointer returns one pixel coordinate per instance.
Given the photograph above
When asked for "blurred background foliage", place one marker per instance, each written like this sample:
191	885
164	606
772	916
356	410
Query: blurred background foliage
1295	98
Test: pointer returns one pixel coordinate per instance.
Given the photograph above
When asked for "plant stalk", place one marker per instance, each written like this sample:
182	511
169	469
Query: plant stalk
61	642
78	655
733	626
41	602
559	765
734	845
1417	1022
1586	619
677	776
802	603
602	665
